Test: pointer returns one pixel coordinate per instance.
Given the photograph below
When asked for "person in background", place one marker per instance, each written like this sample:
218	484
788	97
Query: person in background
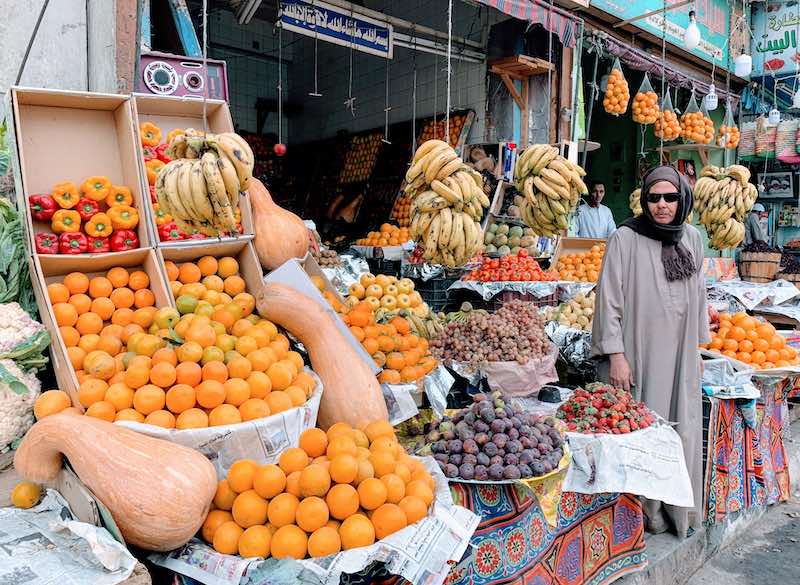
752	225
650	316
594	218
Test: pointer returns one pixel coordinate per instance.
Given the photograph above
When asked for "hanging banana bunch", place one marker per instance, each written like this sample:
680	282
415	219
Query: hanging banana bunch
723	197
200	187
447	203
552	186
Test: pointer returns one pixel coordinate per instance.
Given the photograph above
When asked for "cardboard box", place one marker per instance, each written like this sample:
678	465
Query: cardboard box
241	249
169	113
47	269
568	245
70	136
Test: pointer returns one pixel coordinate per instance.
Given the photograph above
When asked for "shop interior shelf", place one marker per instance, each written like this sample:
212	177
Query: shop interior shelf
701	149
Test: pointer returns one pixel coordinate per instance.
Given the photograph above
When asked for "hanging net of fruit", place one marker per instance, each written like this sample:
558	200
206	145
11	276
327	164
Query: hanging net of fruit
617	94
696	125
666	126
728	134
645	103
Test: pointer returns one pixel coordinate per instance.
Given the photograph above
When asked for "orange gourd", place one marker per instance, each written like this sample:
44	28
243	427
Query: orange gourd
352	394
158	492
279	234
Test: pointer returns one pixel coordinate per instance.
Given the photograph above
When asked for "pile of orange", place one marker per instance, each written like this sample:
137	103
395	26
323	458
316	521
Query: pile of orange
401	211
728	136
667	125
697	127
337	491
645	107
389	235
617	93
387	292
749	340
210	279
100	313
582	267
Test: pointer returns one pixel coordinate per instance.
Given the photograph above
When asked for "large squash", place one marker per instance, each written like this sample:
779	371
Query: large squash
280	234
158	493
351	392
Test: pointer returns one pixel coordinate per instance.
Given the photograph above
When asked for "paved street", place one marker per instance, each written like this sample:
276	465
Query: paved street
766	553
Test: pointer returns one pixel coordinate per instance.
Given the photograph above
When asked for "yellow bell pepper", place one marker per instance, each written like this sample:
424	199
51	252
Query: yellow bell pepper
66	220
99	226
150	133
123	217
96	188
119	195
153	167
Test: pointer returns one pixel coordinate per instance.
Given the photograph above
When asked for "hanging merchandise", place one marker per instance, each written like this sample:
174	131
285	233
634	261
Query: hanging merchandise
667	126
765	139
728	134
617	93
645	103
786	142
711	101
723	198
696	126
747	141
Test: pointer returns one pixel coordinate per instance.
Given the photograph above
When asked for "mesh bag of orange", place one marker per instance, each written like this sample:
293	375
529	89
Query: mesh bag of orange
615	100
728	134
645	103
666	125
696	125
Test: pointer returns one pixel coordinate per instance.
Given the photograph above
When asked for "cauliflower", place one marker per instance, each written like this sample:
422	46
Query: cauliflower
18	392
22	338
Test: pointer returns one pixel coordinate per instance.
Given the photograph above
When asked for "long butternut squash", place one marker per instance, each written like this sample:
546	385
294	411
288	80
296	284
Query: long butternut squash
280	234
157	492
351	392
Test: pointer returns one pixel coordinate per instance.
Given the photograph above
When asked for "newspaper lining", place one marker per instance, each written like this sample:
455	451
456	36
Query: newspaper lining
46	545
752	294
420	553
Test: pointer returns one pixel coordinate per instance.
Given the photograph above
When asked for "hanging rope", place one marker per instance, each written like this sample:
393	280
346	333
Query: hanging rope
449	69
549	74
315	93
663	71
280	76
414	93
205	67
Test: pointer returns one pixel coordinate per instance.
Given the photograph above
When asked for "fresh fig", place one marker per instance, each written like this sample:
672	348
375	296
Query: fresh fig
483	459
442	457
511	472
467	471
496	472
498	425
454	446
524	470
480	426
470	446
513	434
469	458
455	459
511	459
538	468
481	473
496	460
433	436
451	470
439	447
481	439
490	449
500	439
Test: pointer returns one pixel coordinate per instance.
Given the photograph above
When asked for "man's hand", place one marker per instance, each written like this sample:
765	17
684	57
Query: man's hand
620	373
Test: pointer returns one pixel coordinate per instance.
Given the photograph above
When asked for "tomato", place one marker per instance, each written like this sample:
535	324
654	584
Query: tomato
523	253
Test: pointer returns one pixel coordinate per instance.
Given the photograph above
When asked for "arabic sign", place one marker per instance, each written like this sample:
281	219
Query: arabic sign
336	25
711	16
776	31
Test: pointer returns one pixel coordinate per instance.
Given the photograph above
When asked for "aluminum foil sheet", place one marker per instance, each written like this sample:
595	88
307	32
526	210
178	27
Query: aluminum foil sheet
350	271
573	345
423	271
569	290
487	290
437	386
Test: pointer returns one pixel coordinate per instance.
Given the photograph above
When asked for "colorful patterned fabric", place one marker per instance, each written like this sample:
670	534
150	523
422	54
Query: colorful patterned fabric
747	465
598	538
551	18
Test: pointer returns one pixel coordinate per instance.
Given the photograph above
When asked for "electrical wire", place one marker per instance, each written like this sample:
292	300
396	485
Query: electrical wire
205	67
449	67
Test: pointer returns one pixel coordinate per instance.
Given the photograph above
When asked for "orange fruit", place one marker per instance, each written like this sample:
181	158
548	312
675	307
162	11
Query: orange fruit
57	293
340	429
109	344
414	508
161	418
323	542
226	538
234	285
342	500
746	345
118	277
102	410
215	370
269	481
249	509
89	342
180	397
253	408
75	356
314	481
312	514
138	280
761	344
122	317
194	418
162	374
371	493
50	402
280	376
777	341
100	286
278	401
224	414
91	391
395	487
730	345
227	266
224	496
758	357
122	298
237	391
69	335
172	270
283	509
81	302
305	381
255	542
259	384
66	315
293	484
149	398
289	542
189	373
120	395
421	490
383	463
314	442
89	323
388	519
296	395
344	468
207	265
213	521
76	282
356	531
239	367
339	445
144	298
737	333
189	273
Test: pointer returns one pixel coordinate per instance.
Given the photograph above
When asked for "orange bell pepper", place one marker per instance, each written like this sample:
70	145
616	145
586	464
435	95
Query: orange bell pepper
96	188
66	195
153	167
66	221
173	133
99	226
123	217
162	217
150	133
119	195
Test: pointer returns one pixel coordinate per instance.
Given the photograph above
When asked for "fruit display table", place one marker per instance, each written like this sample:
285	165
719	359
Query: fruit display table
596	539
747	464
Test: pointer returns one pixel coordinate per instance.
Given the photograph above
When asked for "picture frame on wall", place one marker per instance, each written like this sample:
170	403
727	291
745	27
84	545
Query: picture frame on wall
686	167
777	185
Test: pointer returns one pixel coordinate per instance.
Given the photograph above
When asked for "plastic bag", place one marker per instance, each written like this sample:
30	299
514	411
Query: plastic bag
645	103
747	141
667	126
728	135
617	92
786	141
766	134
694	127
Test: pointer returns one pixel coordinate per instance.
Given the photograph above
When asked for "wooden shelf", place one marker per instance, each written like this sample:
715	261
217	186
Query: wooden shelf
701	149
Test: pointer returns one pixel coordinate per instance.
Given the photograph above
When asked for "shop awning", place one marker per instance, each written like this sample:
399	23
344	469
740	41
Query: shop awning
554	19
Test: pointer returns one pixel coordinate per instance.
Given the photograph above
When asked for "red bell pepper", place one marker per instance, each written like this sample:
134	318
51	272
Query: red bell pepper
148	152
42	207
153	196
197	236
98	245
86	208
46	243
72	243
122	240
169	232
161	153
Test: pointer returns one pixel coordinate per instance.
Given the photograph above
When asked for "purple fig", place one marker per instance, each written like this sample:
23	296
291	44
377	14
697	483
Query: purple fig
469	458
483	459
524	470
490	449
500	440
538	468
467	471
511	472
513	433
497	426
525	458
496	460
442	457
514	446
470	446
480	426
451	471
481	439
511	459
454	446
481	473
496	472
455	459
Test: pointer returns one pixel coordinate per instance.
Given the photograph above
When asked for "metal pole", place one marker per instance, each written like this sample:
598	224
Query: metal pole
591	108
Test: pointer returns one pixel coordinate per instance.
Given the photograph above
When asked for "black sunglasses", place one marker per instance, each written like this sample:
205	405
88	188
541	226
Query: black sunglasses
668	197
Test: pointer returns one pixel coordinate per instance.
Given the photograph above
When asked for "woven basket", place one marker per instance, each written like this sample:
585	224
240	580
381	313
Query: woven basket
759	266
793	278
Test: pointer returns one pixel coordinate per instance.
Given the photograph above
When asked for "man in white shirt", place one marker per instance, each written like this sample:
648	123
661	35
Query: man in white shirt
594	219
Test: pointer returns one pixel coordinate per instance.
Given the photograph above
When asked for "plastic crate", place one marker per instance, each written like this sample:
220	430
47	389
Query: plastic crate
382	266
435	292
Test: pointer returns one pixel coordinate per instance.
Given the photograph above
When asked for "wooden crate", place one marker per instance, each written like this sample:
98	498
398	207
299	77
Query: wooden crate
169	113
567	245
70	136
47	269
